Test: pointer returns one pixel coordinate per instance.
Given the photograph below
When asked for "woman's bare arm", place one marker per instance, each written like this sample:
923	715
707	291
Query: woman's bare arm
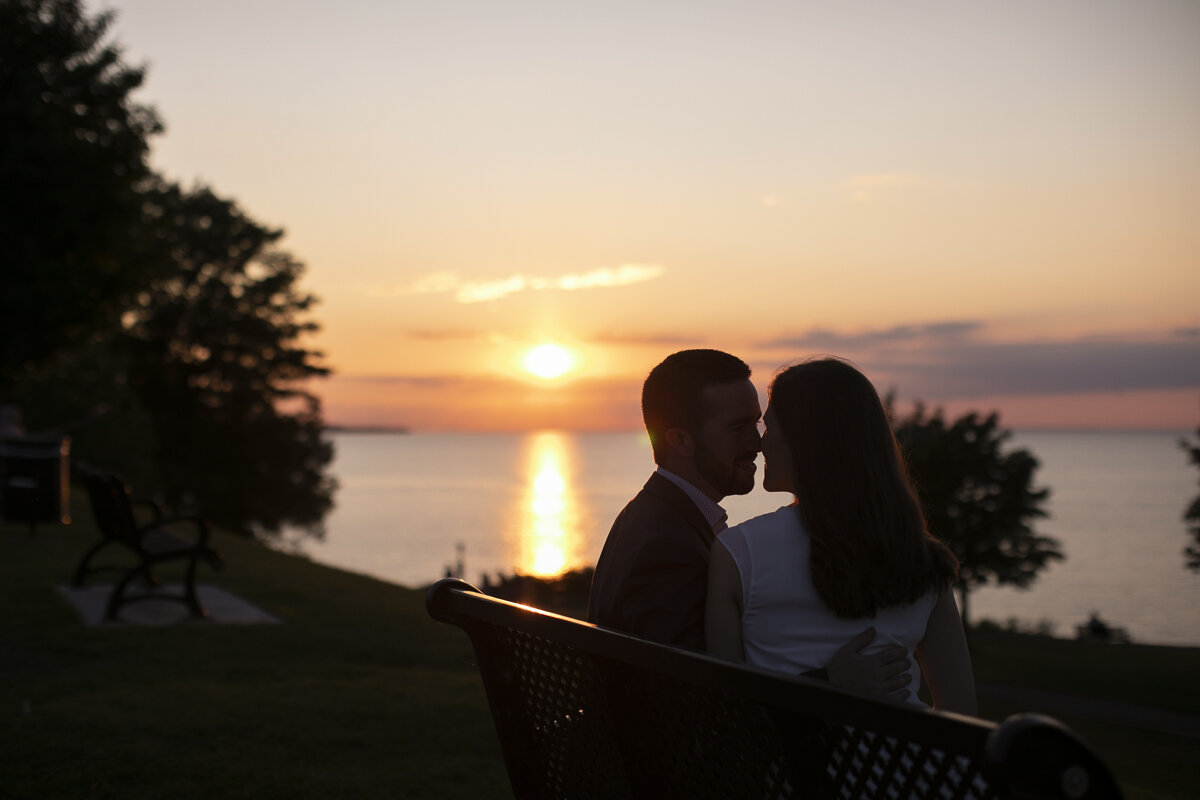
945	661
723	611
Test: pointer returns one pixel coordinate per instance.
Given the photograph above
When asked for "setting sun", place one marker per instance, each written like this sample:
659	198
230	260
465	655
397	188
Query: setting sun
548	360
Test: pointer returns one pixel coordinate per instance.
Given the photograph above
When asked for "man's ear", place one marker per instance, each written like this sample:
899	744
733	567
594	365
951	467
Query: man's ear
681	442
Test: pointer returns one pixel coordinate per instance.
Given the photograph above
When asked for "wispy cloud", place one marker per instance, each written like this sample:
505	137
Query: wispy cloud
676	340
485	291
403	381
450	335
433	283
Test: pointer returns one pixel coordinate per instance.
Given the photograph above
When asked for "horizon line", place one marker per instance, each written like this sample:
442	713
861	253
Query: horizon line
334	427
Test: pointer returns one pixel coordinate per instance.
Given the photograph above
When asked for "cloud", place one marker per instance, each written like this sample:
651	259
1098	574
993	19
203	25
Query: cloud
433	283
490	290
677	340
624	275
823	338
402	381
451	335
486	291
953	360
972	369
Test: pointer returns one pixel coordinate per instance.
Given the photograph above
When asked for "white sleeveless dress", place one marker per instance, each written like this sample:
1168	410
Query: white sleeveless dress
785	625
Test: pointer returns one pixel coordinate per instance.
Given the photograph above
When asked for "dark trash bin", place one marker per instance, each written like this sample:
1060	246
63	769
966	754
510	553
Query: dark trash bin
35	482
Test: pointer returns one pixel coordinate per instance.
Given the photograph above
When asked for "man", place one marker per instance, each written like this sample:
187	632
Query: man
701	412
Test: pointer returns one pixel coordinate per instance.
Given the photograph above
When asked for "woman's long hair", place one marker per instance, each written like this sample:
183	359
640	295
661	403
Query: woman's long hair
870	545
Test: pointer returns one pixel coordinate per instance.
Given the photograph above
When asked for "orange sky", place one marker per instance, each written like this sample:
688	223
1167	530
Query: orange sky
982	205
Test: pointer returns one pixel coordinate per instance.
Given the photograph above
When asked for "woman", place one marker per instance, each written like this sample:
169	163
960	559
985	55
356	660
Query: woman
788	588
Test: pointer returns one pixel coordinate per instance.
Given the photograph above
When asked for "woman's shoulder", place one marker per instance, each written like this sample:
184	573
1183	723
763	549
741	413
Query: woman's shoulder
784	518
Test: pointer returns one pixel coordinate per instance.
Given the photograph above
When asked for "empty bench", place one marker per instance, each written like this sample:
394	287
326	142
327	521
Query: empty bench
585	712
141	547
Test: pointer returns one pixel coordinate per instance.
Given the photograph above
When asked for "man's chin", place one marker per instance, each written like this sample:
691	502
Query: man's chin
741	485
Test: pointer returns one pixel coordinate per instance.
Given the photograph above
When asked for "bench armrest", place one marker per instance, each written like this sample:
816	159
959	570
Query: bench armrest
156	510
1038	756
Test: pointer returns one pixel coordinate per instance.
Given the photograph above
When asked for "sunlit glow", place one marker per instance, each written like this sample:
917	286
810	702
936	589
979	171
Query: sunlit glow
549	491
550	509
548	560
548	360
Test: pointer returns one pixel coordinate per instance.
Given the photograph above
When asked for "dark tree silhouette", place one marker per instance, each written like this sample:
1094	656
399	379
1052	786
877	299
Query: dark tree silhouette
73	155
218	358
84	392
977	498
1191	516
162	329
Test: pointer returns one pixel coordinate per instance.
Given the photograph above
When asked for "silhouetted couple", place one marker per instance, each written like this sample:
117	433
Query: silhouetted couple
844	582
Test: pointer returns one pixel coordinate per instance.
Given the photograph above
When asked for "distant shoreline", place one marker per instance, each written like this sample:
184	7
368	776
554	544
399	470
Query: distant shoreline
367	429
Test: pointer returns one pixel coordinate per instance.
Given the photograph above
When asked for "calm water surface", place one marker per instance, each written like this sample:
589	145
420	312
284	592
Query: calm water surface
410	506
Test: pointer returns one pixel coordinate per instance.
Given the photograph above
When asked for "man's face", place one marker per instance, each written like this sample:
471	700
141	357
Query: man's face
727	442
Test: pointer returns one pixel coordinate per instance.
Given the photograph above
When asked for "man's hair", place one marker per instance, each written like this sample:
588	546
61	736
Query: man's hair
870	546
673	394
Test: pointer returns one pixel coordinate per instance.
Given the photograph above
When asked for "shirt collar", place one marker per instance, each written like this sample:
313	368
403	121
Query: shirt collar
714	515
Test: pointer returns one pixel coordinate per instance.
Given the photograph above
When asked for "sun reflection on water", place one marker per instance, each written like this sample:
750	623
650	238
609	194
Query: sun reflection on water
551	510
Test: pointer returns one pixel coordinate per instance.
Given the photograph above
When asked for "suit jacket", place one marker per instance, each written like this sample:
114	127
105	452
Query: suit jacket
652	576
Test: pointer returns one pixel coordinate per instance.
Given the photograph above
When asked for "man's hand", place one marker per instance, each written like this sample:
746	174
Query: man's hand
885	672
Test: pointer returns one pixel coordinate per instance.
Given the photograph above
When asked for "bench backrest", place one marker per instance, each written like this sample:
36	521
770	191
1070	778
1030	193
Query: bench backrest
586	712
111	505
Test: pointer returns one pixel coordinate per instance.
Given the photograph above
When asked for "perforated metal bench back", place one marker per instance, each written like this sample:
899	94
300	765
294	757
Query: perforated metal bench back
583	712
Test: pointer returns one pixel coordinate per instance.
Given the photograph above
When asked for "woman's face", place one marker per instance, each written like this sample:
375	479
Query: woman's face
778	470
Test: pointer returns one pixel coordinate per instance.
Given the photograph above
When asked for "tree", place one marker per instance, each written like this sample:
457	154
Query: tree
217	358
1192	515
978	499
84	392
73	158
162	329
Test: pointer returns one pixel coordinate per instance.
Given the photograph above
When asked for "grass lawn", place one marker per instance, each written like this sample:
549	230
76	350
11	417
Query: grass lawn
359	695
1148	762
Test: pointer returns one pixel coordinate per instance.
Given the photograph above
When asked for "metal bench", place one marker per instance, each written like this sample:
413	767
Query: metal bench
153	543
585	712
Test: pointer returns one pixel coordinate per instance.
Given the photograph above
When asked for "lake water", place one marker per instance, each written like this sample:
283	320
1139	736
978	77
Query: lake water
410	506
